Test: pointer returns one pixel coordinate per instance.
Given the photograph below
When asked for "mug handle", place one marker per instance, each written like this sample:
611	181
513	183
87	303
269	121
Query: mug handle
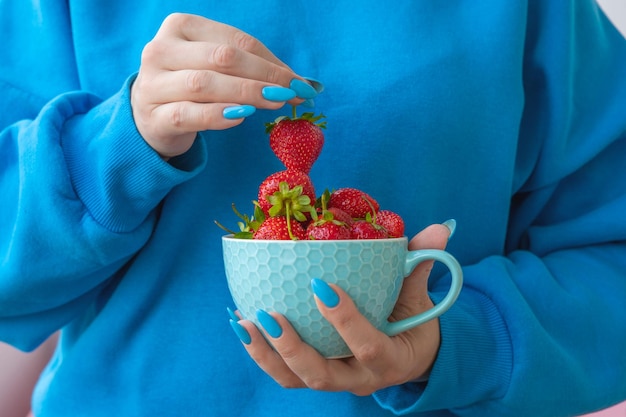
414	258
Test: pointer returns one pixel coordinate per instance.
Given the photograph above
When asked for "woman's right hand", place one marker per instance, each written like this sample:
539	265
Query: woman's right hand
193	70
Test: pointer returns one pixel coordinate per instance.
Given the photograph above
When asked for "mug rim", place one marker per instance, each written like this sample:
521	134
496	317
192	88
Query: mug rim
389	239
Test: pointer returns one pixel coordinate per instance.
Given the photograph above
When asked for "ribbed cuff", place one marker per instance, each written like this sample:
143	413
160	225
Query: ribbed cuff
473	364
116	174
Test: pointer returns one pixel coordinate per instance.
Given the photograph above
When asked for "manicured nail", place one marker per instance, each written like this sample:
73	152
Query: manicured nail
241	332
238	112
272	93
232	314
270	324
451	225
302	89
317	85
324	292
310	103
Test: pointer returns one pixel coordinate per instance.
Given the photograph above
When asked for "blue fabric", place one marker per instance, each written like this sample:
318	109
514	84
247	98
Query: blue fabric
507	116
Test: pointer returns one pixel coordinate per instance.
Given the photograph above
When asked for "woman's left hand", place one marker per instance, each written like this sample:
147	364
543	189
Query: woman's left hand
379	361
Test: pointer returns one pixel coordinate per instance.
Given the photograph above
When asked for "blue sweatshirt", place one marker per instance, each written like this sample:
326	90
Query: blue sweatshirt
509	116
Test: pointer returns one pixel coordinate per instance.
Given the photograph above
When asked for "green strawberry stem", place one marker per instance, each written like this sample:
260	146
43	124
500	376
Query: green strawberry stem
291	203
288	215
224	228
309	116
370	217
248	224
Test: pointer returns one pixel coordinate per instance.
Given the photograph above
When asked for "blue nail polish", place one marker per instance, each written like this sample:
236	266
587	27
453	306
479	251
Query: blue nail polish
238	112
270	324
278	93
303	89
324	292
317	85
451	225
232	314
309	103
241	332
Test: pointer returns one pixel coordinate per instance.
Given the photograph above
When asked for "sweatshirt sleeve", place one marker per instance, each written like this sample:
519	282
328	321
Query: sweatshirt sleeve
538	329
80	191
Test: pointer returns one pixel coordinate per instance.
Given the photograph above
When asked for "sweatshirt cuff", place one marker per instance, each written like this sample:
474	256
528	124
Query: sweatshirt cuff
474	361
118	177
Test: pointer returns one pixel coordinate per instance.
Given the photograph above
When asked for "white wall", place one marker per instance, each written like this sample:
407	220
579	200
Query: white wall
616	11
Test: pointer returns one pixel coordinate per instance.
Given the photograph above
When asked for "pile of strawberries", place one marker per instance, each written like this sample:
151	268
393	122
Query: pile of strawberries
288	208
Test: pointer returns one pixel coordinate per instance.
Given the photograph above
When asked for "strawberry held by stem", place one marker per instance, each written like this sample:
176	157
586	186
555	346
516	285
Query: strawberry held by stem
297	141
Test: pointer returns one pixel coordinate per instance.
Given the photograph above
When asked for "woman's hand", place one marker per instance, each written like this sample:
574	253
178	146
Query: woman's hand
379	360
193	70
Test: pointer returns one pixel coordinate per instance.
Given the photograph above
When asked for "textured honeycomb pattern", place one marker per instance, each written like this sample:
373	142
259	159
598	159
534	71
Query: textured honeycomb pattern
276	276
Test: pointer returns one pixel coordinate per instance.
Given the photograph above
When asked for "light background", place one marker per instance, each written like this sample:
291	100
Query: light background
616	11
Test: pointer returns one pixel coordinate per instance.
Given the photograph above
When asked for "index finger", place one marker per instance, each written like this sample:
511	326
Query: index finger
197	28
311	368
368	344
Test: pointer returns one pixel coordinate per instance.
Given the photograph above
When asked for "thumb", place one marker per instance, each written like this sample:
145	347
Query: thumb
414	297
435	236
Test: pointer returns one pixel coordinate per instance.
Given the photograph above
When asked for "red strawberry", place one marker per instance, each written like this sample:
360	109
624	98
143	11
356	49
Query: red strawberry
335	213
277	228
354	202
297	141
392	222
342	216
363	229
271	187
327	227
328	231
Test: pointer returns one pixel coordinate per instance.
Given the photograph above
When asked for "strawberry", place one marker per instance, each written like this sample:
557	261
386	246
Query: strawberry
354	202
297	141
338	214
392	222
328	228
364	229
277	228
342	216
289	194
298	184
328	231
287	209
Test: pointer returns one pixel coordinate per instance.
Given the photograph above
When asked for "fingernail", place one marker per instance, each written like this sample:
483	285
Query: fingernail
317	85
238	112
310	103
451	225
324	292
270	324
302	89
241	332
272	93
232	314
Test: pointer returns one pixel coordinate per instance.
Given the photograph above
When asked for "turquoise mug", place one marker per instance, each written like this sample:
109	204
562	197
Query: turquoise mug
275	275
